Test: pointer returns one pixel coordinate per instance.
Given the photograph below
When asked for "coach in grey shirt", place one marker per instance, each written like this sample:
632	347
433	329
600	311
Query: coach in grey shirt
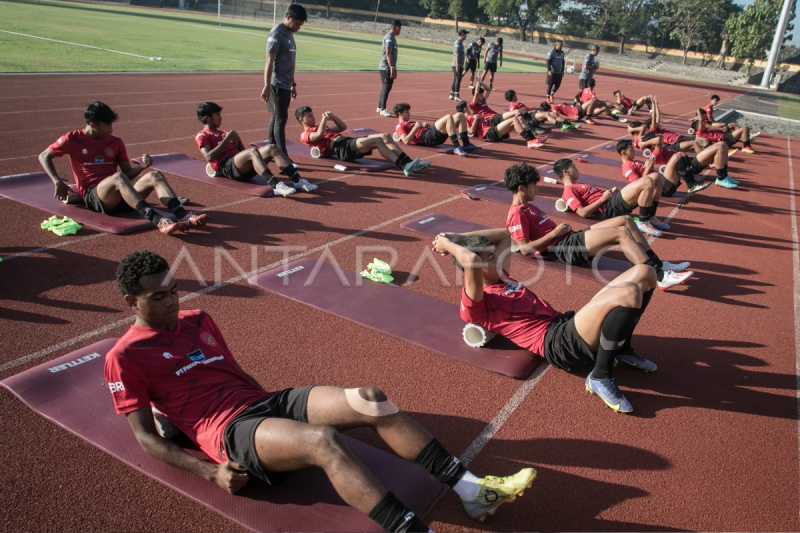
388	66
458	64
279	86
590	64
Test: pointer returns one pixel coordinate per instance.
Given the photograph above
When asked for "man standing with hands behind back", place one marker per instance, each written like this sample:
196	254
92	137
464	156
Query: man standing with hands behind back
388	66
279	86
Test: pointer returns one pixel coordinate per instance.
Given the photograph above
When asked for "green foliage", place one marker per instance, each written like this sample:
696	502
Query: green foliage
690	19
524	14
751	31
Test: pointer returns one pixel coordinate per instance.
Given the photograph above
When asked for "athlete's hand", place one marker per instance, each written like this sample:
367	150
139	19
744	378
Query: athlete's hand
549	72
230	476
147	160
563	229
440	244
394	73
265	93
62	190
232	136
294	92
613	191
424	125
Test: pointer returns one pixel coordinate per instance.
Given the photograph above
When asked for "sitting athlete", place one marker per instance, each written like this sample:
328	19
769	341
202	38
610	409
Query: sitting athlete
565	112
331	141
593	106
178	362
594	337
534	233
728	135
94	155
645	134
708	113
452	126
479	106
628	106
228	156
483	129
535	117
670	179
474	59
585	200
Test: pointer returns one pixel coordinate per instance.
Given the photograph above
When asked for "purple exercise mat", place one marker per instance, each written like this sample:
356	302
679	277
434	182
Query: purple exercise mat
71	392
367	164
36	190
546	205
606	183
407	315
186	167
434	224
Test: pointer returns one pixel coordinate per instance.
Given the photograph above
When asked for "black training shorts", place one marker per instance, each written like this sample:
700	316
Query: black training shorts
240	432
494	135
496	120
93	203
433	137
229	170
571	250
490	67
563	347
471	65
676	146
669	188
729	139
616	206
346	148
688	166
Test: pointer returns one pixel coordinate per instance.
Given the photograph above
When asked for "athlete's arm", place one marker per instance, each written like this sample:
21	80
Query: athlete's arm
211	155
228	475
527	247
656	114
268	66
46	160
588	210
410	135
501	58
340	124
131	172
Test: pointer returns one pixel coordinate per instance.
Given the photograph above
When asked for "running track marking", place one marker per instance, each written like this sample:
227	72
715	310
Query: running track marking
796	276
75	44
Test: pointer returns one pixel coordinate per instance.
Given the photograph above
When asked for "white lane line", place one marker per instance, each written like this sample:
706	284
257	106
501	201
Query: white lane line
75	44
796	278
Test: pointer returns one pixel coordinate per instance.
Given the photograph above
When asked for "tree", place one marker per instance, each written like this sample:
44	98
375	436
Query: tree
630	19
752	30
689	18
525	13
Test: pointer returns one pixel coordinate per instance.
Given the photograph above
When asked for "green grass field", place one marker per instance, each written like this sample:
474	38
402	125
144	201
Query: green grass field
128	37
789	106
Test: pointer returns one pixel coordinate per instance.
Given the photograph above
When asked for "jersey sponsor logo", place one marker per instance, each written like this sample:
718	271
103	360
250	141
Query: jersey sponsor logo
167	355
290	271
76	362
207	338
512	287
116	386
512	229
543	220
190	366
99	159
196	355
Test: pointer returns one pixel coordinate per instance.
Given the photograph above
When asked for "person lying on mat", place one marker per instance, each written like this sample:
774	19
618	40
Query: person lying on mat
534	117
729	136
330	140
534	233
95	155
628	106
453	127
483	129
228	156
564	112
178	362
594	337
589	200
644	133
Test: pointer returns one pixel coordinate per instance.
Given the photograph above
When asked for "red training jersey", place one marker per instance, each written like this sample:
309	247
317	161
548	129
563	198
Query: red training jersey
322	144
627	102
570	111
212	139
482	109
92	160
580	195
482	127
713	136
662	157
528	223
513	311
188	374
709	110
404	128
632	170
513	106
587	95
669	137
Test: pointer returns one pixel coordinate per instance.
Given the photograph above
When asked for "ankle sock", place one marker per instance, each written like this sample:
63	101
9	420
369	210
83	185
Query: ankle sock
148	212
292	173
527	135
454	140
174	205
393	516
468	487
402	161
464	138
722	172
443	465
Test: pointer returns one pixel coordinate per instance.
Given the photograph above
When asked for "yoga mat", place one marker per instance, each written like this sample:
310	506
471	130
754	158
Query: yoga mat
434	224
606	183
36	190
407	315
71	392
186	167
367	164
546	205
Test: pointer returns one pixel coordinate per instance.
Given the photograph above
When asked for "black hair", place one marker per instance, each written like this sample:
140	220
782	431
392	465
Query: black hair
482	40
400	108
545	106
595	47
461	107
559	41
302	110
520	175
694	124
297	12
510	94
561	166
715	97
591	83
206	109
500	40
397	23
98	112
617	93
635	124
475	244
623	145
135	265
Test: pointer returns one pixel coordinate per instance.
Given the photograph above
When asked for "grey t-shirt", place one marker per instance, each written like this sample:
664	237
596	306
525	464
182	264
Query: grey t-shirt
458	54
281	43
588	61
474	51
492	51
389	43
555	60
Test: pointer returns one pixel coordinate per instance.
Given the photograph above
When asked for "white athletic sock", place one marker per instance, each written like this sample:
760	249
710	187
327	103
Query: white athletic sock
467	486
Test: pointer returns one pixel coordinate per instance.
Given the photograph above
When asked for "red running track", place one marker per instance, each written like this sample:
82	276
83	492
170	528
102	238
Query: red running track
712	444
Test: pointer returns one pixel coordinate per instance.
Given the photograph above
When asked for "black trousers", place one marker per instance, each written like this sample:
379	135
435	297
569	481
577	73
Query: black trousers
278	105
554	82
458	73
386	87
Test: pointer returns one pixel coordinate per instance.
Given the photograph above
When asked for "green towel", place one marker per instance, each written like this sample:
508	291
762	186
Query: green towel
61	227
379	265
379	271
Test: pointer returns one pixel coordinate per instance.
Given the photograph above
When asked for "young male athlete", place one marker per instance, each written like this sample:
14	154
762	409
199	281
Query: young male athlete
586	200
555	70
594	337
228	156
566	112
388	66
479	106
590	66
178	362
534	117
534	233
708	112
592	105
458	65
728	135
453	127
628	106
493	52
331	141
663	142
474	59
483	129
105	178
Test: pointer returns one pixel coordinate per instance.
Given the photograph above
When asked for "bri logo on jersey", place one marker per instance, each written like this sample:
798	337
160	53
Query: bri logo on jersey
512	287
196	355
